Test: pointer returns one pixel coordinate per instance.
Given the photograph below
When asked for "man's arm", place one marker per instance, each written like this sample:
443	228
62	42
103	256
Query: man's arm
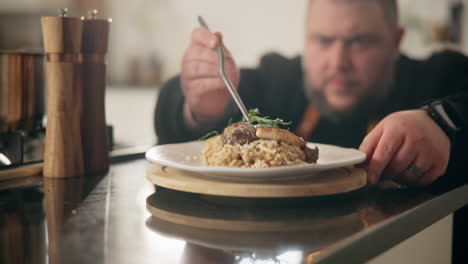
196	100
452	106
169	123
454	120
168	117
269	87
413	139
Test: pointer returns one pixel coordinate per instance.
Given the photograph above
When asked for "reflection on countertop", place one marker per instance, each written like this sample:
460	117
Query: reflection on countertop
253	228
103	219
292	230
23	230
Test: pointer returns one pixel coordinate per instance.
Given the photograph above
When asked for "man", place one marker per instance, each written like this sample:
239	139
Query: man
350	79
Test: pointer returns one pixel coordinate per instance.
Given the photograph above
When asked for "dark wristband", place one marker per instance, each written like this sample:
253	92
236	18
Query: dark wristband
438	113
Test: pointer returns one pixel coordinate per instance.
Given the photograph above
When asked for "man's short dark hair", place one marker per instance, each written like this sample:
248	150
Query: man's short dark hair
390	9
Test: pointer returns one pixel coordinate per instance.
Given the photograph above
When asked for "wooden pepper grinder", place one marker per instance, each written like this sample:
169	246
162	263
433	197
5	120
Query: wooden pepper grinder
63	147
94	130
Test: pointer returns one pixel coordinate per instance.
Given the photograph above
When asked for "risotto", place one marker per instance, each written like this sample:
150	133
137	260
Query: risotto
252	151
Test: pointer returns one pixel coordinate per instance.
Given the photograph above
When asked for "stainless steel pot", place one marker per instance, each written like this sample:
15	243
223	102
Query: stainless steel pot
22	90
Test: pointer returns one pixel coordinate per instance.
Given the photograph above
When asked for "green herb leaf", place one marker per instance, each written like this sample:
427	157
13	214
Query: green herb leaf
209	135
255	119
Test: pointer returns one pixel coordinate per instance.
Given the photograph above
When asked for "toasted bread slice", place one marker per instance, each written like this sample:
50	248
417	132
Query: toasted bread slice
280	135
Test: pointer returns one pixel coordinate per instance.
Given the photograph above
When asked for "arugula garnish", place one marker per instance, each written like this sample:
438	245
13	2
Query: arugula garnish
255	119
209	135
229	122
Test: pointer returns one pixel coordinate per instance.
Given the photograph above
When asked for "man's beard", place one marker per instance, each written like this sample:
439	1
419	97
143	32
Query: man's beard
361	109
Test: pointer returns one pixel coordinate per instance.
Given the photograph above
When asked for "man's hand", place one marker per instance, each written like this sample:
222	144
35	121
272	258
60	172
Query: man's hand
402	139
206	96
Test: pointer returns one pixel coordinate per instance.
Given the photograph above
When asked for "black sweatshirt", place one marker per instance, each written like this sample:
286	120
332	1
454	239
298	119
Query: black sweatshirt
276	89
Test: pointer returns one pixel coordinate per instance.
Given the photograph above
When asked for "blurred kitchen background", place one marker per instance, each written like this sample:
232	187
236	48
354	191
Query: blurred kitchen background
148	38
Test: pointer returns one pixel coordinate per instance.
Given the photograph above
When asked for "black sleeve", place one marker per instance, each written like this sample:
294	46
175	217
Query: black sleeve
457	108
169	123
454	96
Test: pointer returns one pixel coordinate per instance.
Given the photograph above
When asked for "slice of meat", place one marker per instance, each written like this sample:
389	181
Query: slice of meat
239	133
280	135
311	155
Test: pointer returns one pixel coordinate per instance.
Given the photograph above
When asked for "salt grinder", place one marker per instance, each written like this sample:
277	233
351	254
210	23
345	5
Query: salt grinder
94	131
63	155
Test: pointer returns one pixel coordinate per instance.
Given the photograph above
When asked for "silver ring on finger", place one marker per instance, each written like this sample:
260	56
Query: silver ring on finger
415	170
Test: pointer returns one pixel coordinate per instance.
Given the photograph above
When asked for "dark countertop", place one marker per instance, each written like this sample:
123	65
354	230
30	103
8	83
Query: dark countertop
104	219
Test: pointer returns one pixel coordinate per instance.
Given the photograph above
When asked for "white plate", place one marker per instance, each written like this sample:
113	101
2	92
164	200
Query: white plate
186	156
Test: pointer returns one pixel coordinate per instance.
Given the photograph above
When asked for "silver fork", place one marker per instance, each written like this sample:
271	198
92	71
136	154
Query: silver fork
226	80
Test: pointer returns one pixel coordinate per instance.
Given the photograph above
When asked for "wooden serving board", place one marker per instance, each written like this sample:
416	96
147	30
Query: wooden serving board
331	182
